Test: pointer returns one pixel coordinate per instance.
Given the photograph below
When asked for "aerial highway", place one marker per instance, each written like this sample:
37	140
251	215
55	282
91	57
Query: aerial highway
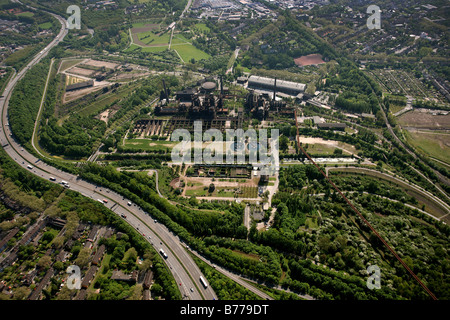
185	271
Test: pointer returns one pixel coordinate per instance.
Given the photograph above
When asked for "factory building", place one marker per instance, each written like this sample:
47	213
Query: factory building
80	85
289	87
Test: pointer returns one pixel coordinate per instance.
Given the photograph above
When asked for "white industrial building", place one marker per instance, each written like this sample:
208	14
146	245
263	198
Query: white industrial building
289	87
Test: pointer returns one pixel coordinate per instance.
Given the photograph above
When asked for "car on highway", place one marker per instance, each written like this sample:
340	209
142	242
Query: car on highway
29	167
123	216
52	179
105	201
129	203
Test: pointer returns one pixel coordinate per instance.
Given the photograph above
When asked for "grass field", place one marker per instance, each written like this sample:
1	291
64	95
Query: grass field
66	64
433	144
202	27
151	38
310	223
226	192
146	49
148	145
45	25
322	149
188	51
25	14
179	39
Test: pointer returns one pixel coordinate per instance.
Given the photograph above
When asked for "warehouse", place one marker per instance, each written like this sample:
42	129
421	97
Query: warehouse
80	85
289	87
332	126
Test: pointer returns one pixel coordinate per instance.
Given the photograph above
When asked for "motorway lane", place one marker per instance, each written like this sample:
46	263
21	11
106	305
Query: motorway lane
170	243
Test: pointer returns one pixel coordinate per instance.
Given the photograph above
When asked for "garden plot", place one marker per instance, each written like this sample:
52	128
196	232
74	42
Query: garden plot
223	188
405	83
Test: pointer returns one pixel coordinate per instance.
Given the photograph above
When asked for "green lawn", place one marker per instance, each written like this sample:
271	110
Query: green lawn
149	38
148	144
155	43
154	49
188	51
26	14
146	23
432	144
226	192
179	39
202	27
322	149
45	25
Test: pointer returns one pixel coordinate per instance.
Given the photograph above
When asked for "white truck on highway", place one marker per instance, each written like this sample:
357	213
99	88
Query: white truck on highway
202	280
163	253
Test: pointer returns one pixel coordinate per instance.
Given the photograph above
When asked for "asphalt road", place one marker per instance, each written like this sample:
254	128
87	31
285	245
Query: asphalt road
182	266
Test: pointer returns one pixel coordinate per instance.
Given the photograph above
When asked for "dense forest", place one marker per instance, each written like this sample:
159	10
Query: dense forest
25	101
74	139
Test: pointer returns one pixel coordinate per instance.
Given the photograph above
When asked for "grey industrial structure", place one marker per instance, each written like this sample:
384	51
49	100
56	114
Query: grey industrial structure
80	85
289	87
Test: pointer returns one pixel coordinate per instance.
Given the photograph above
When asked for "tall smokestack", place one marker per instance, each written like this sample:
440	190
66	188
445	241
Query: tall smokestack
221	85
274	89
165	90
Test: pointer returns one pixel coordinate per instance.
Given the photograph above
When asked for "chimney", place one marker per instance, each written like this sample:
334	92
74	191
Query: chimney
221	85
165	90
274	89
